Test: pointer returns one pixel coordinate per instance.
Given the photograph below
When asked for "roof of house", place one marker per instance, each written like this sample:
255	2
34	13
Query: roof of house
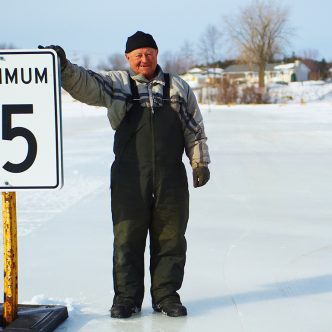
202	71
292	65
285	66
214	70
246	68
195	70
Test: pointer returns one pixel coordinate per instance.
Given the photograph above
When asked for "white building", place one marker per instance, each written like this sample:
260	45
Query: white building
292	72
195	77
200	80
289	72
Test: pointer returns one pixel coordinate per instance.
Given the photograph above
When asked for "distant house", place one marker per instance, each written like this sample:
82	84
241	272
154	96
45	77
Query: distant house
195	77
214	75
200	79
292	72
330	73
206	83
289	72
199	76
247	73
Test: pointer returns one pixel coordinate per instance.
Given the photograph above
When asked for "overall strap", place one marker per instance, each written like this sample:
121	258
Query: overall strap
166	90
134	89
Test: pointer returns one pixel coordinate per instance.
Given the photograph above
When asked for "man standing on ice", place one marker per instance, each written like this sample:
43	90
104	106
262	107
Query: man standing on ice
156	118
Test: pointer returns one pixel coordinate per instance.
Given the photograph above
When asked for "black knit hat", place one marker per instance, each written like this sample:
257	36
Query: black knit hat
139	40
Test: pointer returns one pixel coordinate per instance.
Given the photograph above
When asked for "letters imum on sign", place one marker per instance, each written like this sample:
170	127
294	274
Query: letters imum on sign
23	76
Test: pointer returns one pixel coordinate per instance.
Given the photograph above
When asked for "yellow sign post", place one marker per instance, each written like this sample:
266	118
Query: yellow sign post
30	115
10	257
18	317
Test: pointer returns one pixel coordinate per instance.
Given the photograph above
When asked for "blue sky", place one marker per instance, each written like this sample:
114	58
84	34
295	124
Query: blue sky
99	28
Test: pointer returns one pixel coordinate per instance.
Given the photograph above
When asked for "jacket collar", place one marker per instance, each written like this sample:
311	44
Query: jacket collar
159	78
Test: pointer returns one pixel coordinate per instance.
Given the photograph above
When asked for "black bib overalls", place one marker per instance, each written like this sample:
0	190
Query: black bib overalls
149	193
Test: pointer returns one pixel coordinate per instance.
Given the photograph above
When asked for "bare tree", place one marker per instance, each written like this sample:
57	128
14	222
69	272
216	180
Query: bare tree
86	61
227	92
209	45
187	54
259	32
179	61
309	53
209	51
118	61
173	62
169	62
115	61
5	46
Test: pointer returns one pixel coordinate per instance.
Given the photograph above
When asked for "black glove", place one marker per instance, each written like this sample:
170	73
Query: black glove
201	176
60	52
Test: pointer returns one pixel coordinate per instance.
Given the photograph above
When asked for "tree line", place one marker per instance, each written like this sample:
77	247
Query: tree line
259	33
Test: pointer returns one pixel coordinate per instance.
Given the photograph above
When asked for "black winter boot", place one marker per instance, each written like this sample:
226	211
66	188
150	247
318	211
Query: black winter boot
123	310
171	309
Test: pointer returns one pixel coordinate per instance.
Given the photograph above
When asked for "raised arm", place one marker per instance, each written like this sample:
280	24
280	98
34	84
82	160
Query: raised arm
82	84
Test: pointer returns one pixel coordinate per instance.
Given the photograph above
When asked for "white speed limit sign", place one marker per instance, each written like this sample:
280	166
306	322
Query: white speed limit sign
30	120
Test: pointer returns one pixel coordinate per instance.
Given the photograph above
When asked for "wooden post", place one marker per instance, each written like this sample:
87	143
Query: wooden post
10	257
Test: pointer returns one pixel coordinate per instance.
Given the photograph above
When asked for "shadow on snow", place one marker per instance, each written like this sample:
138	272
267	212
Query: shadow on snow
279	290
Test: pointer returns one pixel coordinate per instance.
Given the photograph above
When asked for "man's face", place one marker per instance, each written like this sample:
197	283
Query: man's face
143	61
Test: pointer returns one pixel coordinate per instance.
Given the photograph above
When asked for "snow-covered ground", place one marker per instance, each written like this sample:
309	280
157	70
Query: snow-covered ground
259	236
300	92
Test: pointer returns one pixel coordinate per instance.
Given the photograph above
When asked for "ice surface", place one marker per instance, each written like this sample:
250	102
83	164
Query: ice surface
259	236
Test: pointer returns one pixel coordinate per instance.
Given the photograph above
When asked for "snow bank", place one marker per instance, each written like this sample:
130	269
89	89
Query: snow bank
300	92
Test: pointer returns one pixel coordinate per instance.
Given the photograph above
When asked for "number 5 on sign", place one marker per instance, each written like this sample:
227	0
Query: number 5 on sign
30	121
9	133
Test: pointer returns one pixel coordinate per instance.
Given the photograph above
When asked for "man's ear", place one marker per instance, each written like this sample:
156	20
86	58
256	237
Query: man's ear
127	56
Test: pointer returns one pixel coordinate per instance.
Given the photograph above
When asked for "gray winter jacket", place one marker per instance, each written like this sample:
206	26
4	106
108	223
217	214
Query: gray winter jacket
112	90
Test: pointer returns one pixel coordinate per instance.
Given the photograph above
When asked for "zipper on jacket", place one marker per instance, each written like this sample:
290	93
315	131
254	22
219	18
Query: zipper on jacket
153	152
